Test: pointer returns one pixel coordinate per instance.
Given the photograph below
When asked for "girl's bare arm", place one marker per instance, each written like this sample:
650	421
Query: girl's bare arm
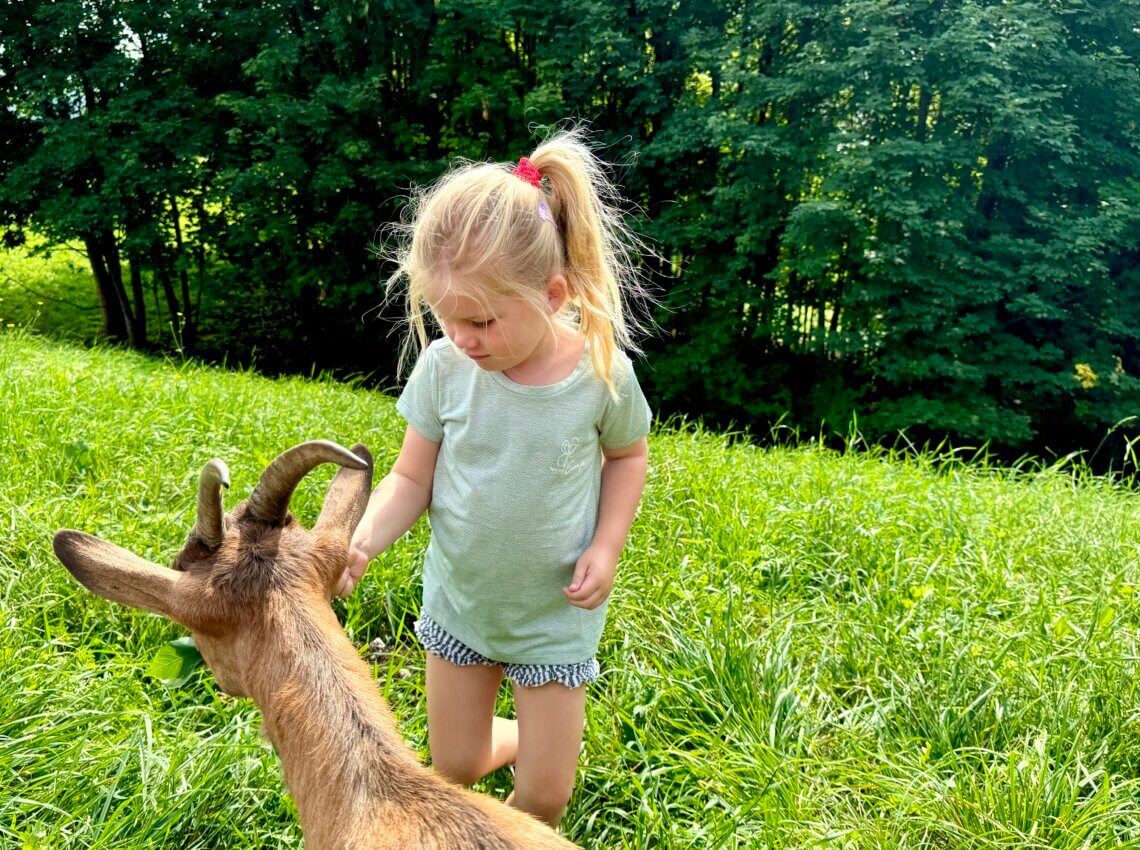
398	501
623	479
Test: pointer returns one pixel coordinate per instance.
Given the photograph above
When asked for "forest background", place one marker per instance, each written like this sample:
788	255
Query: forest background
919	216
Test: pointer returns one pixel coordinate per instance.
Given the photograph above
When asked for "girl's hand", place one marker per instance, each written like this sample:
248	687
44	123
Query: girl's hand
394	506
354	570
593	578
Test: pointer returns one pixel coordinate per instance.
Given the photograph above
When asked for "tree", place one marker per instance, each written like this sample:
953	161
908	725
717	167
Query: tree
113	105
983	151
923	212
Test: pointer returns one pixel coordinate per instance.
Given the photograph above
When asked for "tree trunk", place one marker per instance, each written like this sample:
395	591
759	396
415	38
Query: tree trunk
188	335
114	326
163	279
110	253
138	319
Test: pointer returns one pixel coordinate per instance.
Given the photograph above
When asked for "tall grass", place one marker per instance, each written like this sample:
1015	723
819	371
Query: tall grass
805	648
49	290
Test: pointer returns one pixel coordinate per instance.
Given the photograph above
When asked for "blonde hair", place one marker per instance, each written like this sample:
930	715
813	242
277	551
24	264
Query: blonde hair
481	222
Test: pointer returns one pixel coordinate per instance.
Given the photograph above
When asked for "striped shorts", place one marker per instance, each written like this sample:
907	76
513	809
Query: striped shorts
438	642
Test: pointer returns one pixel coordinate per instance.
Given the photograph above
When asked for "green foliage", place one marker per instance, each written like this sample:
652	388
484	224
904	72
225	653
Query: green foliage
48	290
904	211
175	662
923	213
805	647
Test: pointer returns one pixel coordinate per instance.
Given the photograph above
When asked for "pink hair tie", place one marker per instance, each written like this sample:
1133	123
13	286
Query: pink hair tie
528	172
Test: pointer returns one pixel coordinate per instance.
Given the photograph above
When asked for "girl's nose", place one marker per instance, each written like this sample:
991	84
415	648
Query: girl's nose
462	338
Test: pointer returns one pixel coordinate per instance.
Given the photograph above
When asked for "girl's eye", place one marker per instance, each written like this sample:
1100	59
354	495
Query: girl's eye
484	324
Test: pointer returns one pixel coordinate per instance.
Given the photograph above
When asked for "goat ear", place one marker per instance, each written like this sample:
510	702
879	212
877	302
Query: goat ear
347	497
114	573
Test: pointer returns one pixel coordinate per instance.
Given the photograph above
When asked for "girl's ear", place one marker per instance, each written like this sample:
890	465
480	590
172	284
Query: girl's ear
557	293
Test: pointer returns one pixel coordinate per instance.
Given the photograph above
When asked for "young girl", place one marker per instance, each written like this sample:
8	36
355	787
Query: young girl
526	445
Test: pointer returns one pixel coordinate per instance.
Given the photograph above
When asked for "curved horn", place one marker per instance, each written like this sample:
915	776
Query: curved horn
269	500
210	528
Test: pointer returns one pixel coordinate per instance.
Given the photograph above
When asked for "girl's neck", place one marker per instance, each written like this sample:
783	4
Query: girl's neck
552	362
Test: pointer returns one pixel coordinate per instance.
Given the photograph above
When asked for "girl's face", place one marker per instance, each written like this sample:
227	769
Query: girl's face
498	333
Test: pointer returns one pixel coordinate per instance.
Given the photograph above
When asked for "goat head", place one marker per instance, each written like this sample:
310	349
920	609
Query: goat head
236	569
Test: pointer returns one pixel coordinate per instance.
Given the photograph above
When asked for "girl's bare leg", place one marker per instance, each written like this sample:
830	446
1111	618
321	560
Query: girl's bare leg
551	719
467	740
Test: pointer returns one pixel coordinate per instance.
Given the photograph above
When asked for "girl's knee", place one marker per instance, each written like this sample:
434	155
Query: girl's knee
547	803
467	760
460	768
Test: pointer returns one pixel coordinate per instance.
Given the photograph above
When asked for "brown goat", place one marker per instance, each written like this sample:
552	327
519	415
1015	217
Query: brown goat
253	587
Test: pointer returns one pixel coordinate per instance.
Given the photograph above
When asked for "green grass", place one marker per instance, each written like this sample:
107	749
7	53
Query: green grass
50	291
805	648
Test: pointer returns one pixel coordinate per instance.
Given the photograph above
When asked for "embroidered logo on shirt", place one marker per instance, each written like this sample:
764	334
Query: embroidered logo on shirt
566	461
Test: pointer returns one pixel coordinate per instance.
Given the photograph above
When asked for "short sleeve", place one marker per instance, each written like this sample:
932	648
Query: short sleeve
419	402
627	418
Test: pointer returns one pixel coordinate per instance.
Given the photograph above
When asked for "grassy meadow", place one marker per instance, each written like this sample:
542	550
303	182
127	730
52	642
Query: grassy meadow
805	648
49	291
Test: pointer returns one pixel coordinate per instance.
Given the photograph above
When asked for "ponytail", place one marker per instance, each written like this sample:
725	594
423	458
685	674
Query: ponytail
598	247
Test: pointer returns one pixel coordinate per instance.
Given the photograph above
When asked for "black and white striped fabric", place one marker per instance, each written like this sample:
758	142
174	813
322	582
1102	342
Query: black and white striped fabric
438	642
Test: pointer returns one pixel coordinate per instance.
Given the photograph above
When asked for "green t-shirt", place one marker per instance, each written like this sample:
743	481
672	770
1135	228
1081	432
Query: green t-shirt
515	499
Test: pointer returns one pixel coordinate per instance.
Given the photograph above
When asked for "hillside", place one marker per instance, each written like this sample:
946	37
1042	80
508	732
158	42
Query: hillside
805	648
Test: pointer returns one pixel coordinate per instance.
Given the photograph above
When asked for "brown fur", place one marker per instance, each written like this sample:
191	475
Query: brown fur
258	606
